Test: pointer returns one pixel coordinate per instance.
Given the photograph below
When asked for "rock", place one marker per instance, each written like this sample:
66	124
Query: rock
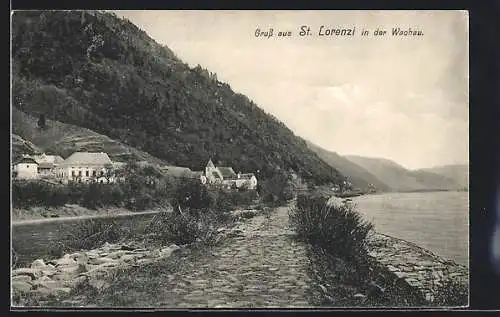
21	286
22	278
49	284
76	281
81	258
65	261
128	257
127	248
38	264
33	273
359	295
116	255
73	270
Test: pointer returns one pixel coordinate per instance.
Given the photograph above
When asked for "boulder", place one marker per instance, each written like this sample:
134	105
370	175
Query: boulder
65	261
48	284
74	282
20	286
33	273
38	264
81	258
22	278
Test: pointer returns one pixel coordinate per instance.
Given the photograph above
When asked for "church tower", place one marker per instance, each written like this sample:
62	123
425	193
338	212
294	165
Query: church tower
209	168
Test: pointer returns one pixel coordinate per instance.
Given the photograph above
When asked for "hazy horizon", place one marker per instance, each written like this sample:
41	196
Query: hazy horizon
403	99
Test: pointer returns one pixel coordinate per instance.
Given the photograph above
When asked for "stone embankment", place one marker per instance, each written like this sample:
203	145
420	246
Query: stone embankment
59	277
418	267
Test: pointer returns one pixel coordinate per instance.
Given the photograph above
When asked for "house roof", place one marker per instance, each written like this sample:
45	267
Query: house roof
227	172
46	165
210	163
247	175
86	158
44	158
176	171
26	160
194	174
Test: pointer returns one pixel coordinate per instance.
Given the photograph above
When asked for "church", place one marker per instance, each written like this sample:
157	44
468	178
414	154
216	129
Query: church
227	177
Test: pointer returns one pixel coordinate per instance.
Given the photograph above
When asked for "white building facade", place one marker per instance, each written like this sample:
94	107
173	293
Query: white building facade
25	168
86	167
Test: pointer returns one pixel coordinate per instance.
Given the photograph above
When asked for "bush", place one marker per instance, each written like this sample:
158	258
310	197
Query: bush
191	195
90	234
452	294
184	227
339	230
35	193
277	189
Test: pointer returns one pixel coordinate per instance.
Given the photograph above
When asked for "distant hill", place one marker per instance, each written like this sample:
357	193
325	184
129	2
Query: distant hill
458	173
359	176
96	71
64	139
399	178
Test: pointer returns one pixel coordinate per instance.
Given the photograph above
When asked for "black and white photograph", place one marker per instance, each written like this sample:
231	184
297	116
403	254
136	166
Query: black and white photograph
224	159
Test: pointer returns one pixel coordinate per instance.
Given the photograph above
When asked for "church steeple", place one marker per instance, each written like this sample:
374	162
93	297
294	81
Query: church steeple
210	164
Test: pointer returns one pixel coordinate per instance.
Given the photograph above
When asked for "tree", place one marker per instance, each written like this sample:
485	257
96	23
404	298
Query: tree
41	121
109	172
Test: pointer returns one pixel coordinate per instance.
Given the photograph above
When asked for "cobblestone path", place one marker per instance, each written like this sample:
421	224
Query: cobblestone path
263	267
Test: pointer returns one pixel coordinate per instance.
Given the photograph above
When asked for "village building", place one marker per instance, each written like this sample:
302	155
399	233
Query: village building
47	164
86	167
227	177
183	172
25	168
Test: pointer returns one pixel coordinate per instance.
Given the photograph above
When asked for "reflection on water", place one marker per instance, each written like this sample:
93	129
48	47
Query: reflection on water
437	221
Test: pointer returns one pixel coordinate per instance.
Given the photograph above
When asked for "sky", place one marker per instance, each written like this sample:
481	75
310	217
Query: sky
399	98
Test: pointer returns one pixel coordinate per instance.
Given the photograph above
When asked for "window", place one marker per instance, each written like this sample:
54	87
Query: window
27	166
93	173
79	173
102	173
87	173
72	173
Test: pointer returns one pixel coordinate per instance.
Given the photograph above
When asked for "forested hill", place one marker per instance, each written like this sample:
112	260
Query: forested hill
97	71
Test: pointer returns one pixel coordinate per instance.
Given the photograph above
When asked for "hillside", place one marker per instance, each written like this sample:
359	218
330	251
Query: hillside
64	139
356	174
96	71
400	179
458	173
21	146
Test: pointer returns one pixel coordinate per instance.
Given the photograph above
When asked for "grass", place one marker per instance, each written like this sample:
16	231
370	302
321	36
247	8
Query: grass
343	272
340	230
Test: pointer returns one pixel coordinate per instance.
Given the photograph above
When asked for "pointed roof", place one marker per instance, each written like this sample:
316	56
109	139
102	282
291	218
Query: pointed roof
25	160
210	163
86	158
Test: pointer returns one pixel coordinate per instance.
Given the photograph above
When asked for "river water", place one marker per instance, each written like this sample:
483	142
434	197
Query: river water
437	221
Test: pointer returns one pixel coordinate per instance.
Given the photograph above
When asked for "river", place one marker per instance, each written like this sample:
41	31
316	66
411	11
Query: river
437	221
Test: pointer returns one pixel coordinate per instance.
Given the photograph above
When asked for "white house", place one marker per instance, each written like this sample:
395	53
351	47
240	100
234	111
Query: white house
86	167
227	177
25	168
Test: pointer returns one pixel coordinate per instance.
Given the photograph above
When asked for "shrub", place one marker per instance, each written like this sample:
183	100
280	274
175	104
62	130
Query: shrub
277	189
451	293
35	193
184	227
191	195
90	234
339	229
